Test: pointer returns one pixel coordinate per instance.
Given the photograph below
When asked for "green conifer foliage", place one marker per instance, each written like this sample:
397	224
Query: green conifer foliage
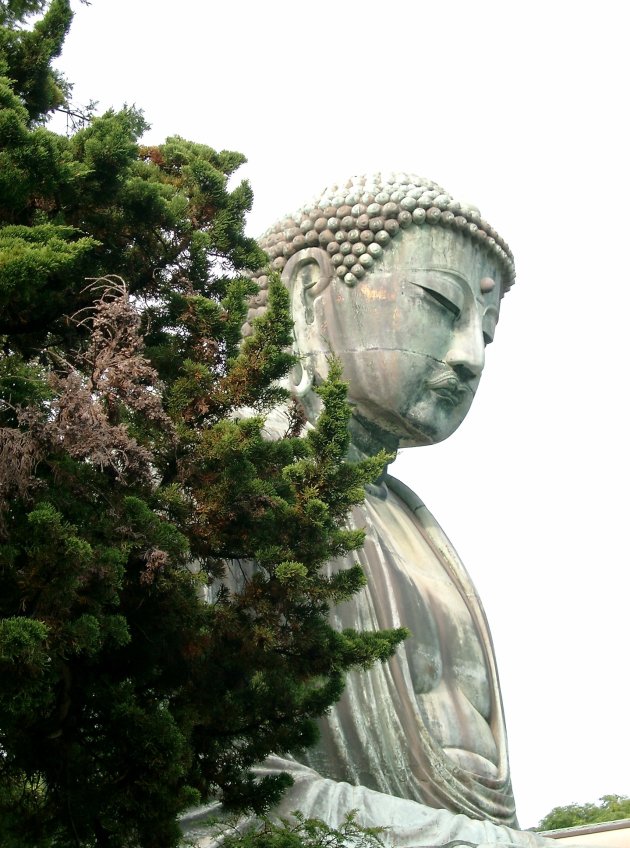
130	687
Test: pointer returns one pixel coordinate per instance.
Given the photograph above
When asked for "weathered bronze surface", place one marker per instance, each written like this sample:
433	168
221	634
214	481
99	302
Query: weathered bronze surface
403	284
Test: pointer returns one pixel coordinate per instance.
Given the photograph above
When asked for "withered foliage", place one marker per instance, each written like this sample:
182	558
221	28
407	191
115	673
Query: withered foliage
95	399
19	454
118	371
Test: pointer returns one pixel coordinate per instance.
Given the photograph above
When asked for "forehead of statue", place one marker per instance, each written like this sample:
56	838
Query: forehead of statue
422	250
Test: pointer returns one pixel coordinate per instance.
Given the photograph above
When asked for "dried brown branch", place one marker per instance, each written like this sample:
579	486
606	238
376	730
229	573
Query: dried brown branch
94	397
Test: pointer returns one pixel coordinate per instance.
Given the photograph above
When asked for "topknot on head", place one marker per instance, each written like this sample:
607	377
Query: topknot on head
356	220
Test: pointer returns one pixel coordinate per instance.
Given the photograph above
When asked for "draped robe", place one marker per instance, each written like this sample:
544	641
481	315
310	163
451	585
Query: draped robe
427	725
417	744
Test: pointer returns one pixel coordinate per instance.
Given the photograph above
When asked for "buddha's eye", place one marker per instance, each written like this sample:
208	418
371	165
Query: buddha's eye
443	301
442	290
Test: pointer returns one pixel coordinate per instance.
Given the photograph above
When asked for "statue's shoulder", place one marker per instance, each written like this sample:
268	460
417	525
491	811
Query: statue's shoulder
407	495
433	533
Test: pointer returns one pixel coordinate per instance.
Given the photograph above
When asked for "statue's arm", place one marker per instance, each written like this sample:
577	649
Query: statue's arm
407	824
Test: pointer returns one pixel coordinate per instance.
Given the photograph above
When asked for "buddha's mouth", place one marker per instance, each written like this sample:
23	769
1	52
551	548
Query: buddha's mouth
448	388
471	762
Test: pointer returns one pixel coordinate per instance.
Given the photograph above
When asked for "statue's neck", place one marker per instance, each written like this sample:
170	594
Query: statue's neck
367	439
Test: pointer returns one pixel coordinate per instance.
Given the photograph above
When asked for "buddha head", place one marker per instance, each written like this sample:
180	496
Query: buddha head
401	283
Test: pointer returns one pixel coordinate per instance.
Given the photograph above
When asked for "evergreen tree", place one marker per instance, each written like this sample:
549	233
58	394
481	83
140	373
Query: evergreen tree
130	482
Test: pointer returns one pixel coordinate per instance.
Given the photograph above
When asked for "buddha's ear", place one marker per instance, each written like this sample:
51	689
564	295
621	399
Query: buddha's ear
307	275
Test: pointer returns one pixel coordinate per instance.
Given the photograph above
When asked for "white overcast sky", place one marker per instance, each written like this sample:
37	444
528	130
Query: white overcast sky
519	108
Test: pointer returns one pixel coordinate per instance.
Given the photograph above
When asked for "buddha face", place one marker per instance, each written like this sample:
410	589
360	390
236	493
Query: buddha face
411	335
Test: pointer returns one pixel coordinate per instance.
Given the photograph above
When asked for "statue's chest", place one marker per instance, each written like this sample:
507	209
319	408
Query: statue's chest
411	583
432	712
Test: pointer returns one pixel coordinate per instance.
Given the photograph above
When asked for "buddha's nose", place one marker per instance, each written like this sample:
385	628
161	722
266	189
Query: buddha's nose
466	355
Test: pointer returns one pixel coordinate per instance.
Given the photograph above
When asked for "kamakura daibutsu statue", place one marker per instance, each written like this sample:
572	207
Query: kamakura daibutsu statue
403	285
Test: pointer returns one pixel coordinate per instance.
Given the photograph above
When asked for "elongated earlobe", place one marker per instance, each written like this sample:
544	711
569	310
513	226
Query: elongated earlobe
301	379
